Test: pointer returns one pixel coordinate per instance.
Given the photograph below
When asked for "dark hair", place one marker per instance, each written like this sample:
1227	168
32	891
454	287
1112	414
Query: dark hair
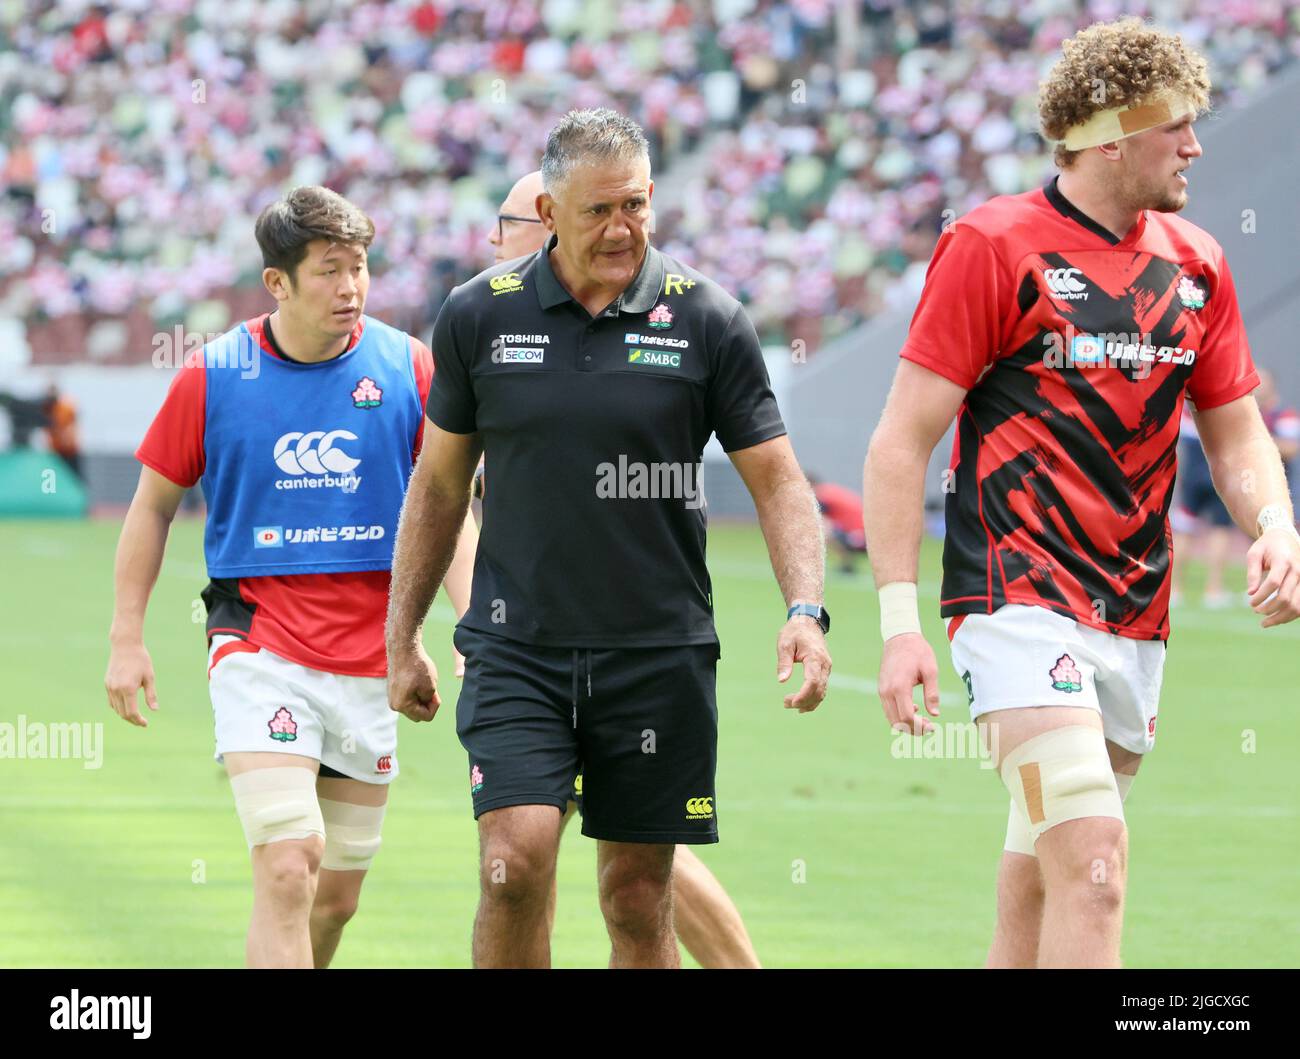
286	227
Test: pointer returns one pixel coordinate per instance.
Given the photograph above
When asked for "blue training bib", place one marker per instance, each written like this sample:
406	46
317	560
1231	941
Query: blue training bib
307	464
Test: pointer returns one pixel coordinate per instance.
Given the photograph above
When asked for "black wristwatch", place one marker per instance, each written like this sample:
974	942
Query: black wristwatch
819	614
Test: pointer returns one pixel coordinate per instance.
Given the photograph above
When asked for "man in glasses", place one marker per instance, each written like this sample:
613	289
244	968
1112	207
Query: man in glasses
519	231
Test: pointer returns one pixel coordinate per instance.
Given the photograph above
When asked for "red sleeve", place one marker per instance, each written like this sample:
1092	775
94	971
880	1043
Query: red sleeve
956	330
422	361
173	445
1224	369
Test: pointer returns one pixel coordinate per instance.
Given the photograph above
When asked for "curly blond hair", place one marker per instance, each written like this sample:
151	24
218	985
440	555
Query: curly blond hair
1113	64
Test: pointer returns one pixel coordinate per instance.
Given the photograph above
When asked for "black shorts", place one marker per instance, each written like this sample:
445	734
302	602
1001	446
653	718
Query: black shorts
639	724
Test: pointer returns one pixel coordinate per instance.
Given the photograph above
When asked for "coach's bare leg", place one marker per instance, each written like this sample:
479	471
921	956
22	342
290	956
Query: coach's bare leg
706	919
517	848
704	916
1083	862
554	897
284	881
636	898
337	892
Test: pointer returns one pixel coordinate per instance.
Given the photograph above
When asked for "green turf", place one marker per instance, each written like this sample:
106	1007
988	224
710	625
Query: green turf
142	863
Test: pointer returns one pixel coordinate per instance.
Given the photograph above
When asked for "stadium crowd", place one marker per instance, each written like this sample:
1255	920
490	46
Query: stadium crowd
138	140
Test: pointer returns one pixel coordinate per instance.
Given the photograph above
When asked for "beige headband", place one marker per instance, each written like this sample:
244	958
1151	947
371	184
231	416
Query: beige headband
1119	123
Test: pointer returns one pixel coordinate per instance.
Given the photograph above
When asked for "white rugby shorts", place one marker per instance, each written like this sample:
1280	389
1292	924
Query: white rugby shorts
1022	656
262	702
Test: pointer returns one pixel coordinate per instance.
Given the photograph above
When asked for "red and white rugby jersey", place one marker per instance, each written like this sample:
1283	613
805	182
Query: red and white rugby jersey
332	622
1077	349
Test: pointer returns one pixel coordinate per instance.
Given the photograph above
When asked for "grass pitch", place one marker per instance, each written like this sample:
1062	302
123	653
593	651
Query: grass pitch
838	851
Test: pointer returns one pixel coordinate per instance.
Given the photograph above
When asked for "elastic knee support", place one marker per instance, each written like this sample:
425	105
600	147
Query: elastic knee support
276	804
351	834
1061	775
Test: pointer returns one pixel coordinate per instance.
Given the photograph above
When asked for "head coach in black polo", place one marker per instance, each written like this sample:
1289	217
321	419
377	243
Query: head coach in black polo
591	374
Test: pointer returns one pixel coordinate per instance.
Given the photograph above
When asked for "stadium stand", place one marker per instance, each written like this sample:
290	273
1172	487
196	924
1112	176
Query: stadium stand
137	144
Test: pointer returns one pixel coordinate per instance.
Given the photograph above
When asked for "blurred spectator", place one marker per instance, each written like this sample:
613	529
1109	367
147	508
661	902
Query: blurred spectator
842	519
61	427
25	417
1199	517
1283	423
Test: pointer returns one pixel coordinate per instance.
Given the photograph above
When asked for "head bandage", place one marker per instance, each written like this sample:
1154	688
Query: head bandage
1119	123
275	804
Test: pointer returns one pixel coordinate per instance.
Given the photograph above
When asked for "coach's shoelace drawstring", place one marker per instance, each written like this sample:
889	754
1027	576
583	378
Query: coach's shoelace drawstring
579	661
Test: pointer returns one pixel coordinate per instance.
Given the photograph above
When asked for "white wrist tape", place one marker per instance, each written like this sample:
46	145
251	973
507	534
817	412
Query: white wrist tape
1274	516
898	613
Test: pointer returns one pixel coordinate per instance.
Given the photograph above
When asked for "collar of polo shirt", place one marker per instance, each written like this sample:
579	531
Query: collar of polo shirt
641	295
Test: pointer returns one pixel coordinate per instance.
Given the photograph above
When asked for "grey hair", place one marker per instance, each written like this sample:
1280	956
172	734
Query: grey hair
583	136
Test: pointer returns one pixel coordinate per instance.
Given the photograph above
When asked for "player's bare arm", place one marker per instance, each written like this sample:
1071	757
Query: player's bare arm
139	557
791	524
461	569
433	517
1248	475
460	574
921	406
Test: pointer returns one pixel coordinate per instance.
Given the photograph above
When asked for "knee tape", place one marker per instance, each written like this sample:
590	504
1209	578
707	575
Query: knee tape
351	834
1020	838
1125	783
276	804
1061	775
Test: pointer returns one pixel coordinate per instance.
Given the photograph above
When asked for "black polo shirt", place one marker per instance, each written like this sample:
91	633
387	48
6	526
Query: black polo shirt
594	432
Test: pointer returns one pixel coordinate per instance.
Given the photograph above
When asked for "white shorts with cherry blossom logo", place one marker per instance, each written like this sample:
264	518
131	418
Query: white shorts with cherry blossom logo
1021	656
263	702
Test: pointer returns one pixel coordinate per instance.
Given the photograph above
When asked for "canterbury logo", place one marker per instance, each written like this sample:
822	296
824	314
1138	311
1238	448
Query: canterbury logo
1062	283
699	808
505	284
314	452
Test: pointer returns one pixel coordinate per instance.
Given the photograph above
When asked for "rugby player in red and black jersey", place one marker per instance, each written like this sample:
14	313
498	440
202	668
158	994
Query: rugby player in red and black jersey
1063	329
303	425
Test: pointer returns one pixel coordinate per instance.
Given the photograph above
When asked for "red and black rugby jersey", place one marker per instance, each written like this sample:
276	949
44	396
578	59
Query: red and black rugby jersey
1076	349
